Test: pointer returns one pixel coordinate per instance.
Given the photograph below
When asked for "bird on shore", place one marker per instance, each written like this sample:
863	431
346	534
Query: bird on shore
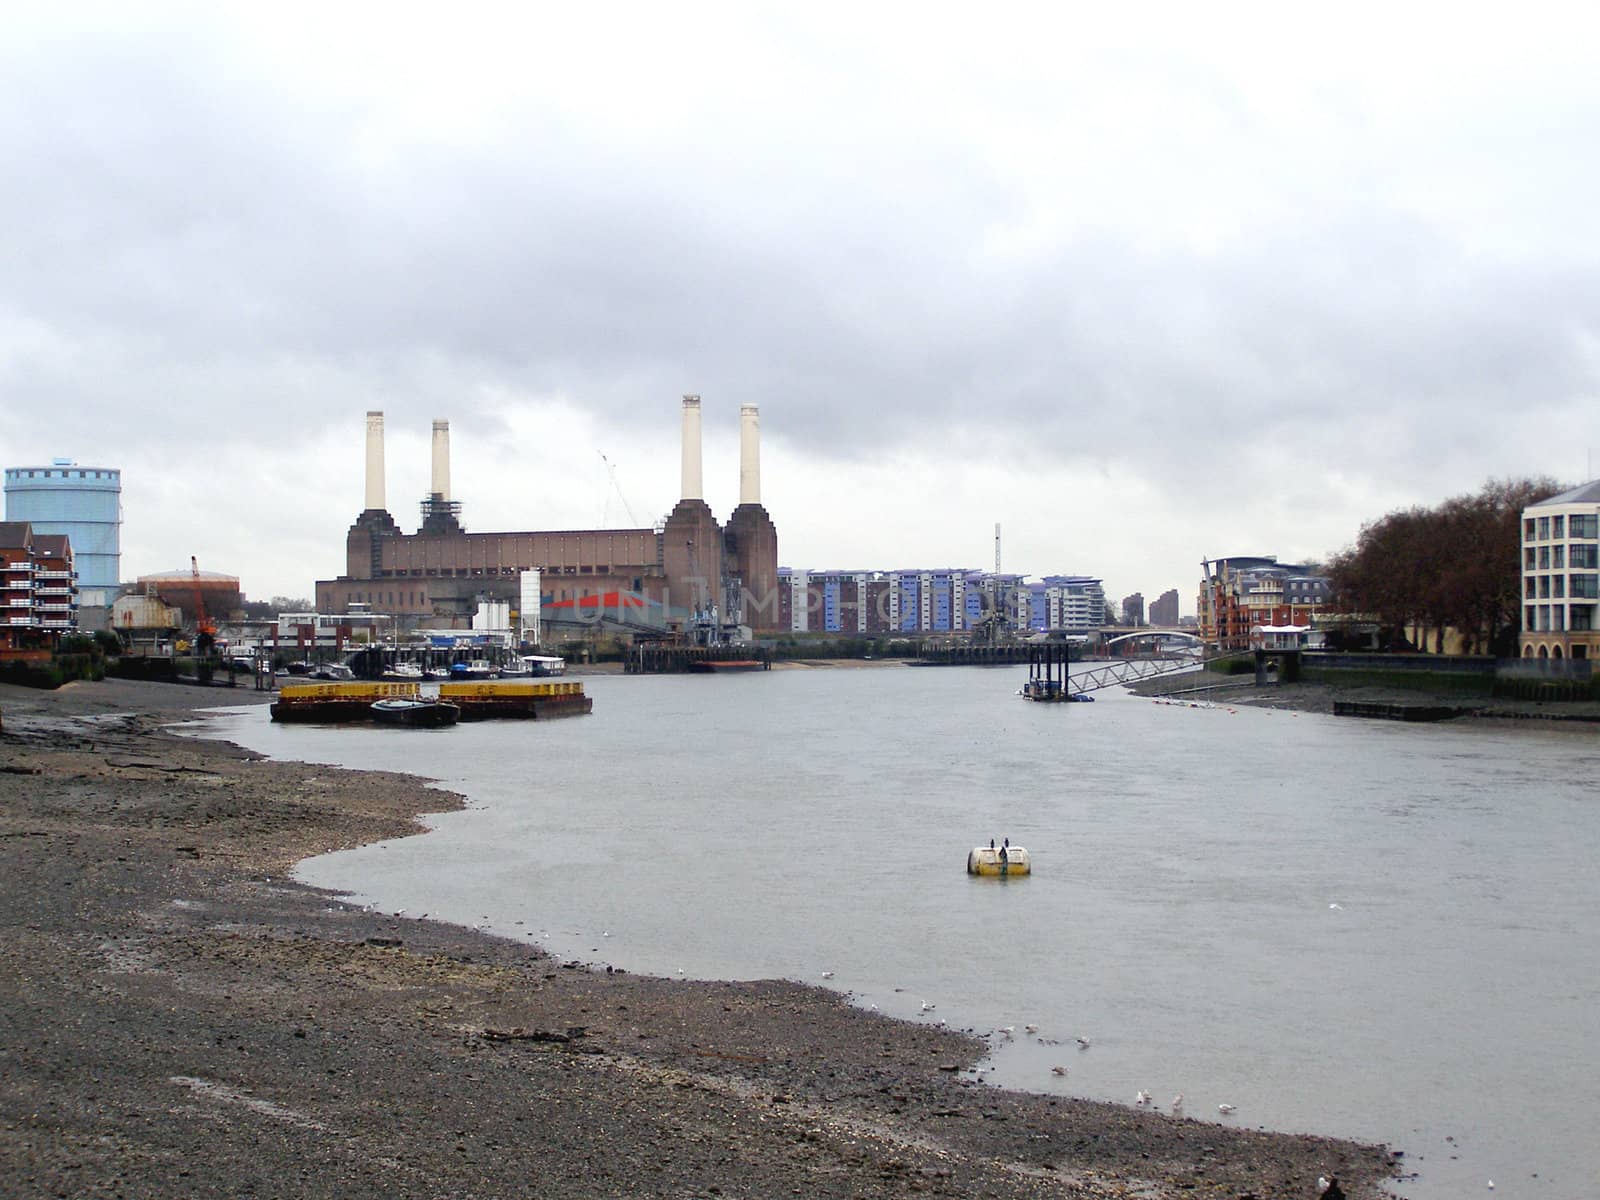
1031	1028
1225	1109
1058	1070
827	974
1008	1031
1083	1043
1177	1102
926	1007
1142	1098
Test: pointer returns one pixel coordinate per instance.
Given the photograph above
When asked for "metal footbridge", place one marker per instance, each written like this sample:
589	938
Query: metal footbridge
1134	669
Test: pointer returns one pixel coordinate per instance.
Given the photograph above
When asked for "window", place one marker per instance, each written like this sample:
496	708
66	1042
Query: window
1558	556
1584	525
1556	530
1582	617
1556	621
1584	587
1527	559
1584	557
1527	587
1527	530
1544	587
1559	586
1544	529
1528	618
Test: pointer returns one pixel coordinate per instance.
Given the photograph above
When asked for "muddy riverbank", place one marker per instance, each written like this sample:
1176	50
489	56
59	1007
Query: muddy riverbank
181	1019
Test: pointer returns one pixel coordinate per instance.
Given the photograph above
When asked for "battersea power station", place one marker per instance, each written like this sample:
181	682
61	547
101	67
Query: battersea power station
686	569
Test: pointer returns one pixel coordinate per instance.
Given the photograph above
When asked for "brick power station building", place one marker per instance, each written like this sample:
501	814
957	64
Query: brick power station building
688	564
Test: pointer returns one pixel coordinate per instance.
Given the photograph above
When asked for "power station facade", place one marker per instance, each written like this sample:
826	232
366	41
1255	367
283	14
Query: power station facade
690	566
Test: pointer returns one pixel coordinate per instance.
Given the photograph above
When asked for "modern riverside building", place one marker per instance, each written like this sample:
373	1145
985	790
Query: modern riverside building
1561	575
85	505
1240	593
38	587
945	600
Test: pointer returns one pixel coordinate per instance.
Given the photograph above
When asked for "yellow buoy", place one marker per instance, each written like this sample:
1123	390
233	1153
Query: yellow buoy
1006	860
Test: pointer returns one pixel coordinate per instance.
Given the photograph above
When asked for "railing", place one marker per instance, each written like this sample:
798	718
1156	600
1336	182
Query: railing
24	567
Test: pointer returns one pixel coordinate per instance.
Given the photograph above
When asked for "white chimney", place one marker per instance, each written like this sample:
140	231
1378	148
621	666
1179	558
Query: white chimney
692	487
441	459
749	454
374	461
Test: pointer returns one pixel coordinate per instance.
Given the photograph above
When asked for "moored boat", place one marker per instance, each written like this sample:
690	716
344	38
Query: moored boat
420	711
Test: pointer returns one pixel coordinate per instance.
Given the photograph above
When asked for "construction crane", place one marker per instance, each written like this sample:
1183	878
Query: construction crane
611	471
205	627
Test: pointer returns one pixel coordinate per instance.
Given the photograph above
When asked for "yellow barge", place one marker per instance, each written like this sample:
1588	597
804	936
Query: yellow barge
517	698
343	702
337	701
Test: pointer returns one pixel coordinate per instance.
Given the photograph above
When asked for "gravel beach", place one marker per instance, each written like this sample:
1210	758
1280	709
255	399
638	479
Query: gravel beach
181	1019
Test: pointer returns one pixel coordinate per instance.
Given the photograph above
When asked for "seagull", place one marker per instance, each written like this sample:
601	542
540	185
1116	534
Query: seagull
1177	1102
1336	906
872	1008
926	1007
827	974
1058	1070
1323	1184
1031	1028
1083	1043
1142	1098
1225	1109
1007	1031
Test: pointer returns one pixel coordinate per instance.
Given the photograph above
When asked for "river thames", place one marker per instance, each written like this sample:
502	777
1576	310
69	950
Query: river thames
1368	929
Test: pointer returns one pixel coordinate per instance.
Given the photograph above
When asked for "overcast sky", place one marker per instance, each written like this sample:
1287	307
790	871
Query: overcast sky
1220	280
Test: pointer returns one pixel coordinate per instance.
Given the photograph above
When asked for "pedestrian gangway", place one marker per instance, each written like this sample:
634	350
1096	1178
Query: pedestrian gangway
1131	671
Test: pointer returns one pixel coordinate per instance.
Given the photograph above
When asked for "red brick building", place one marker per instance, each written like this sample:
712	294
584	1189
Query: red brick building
38	588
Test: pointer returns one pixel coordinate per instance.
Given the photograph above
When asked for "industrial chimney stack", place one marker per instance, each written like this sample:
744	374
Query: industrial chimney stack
749	454
375	501
441	460
693	487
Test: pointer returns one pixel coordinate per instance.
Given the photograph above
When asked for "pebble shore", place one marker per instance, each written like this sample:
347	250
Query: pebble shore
179	1018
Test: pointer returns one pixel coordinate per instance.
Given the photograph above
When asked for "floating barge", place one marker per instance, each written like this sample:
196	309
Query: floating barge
335	703
517	698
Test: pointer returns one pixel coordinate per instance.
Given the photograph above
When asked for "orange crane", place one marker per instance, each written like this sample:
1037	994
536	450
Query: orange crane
204	626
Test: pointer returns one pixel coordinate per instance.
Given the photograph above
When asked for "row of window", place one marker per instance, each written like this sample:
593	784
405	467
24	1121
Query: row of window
1546	558
1577	525
1559	587
1554	618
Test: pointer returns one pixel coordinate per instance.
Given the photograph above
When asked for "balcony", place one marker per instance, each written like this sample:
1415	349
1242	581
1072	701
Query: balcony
63	576
59	624
18	603
28	621
55	589
19	568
